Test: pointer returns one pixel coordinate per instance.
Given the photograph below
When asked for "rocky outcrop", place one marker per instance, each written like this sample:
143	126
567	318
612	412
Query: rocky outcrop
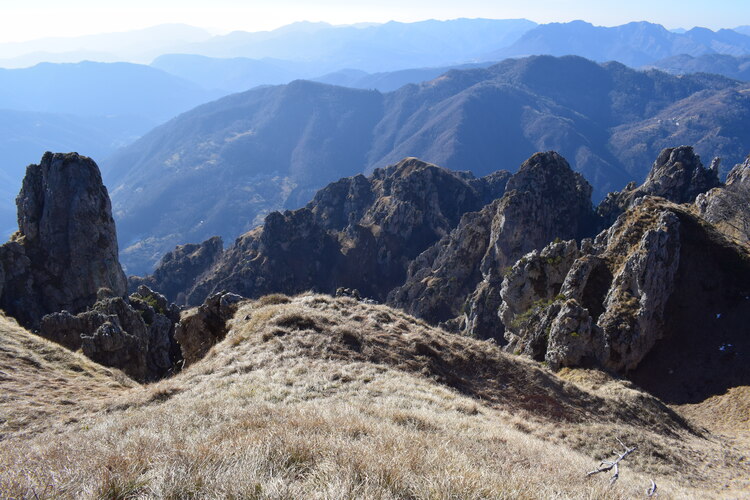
677	175
179	269
135	334
605	304
528	289
728	207
202	327
657	280
66	247
359	232
289	253
457	281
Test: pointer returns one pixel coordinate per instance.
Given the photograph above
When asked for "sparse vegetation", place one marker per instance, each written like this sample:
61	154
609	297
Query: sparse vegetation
357	406
534	311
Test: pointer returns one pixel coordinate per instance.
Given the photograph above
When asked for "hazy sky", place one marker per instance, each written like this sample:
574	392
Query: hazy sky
29	19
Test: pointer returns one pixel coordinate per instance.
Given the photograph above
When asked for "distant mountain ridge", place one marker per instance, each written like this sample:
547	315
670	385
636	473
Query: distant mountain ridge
91	88
137	46
290	53
737	67
381	47
634	44
270	148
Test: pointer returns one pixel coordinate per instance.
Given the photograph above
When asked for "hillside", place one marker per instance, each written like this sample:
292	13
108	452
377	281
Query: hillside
313	396
712	121
234	160
240	157
45	385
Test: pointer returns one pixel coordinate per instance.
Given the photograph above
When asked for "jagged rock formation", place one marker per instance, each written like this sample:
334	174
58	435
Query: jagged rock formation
659	280
609	305
677	175
66	247
458	279
202	327
134	334
728	207
179	269
359	232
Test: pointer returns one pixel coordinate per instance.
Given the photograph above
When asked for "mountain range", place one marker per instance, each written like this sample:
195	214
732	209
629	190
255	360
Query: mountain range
635	44
557	276
242	60
249	153
391	46
133	46
737	67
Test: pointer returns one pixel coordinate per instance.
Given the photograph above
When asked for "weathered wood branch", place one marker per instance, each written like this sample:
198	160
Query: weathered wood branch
608	465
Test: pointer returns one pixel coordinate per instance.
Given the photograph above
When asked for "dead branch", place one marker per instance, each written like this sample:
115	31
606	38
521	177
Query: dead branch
608	465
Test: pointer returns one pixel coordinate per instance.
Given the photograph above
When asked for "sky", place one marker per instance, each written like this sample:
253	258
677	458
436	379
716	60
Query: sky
22	20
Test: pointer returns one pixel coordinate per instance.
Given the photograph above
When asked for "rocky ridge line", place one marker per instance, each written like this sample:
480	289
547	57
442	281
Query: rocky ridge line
359	232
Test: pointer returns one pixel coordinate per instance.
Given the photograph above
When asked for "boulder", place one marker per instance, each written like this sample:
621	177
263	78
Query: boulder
200	328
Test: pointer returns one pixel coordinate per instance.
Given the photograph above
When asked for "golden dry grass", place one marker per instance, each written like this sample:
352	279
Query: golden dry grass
318	397
42	383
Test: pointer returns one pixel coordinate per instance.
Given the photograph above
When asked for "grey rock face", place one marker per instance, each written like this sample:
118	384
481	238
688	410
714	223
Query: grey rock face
360	232
635	304
570	336
528	289
677	175
606	305
457	281
66	246
135	335
202	327
728	207
179	269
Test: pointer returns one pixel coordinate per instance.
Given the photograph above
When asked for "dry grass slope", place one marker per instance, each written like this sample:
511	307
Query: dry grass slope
42	383
316	397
